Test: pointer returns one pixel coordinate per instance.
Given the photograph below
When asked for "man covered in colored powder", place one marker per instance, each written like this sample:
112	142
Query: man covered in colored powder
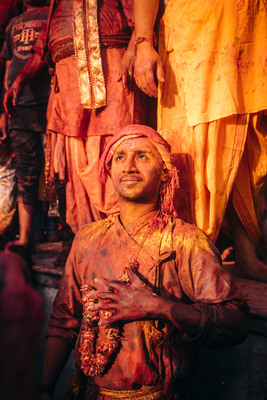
212	95
140	288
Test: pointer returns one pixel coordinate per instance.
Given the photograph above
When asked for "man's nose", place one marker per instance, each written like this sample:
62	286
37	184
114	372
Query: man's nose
130	165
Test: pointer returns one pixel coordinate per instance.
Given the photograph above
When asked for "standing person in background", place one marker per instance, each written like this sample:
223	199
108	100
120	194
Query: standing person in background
212	99
29	120
91	55
8	10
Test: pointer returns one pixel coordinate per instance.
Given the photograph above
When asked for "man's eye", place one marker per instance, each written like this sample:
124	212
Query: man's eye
119	158
142	156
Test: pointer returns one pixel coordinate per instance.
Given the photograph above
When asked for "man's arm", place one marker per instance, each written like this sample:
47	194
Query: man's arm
220	324
148	63
136	301
31	69
3	116
56	355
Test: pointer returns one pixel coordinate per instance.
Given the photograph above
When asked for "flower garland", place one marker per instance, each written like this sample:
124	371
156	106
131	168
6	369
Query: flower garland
96	358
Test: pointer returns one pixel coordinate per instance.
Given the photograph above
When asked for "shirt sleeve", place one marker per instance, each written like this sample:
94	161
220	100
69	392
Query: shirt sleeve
6	52
67	307
224	312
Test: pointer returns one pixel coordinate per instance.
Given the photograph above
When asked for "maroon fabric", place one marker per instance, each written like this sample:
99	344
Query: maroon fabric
21	319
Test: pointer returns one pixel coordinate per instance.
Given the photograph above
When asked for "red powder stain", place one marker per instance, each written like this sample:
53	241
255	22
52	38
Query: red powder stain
218	78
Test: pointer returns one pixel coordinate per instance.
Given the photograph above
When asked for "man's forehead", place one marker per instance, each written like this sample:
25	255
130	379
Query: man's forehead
136	144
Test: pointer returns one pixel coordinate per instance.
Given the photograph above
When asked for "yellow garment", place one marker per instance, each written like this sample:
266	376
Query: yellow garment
207	120
220	51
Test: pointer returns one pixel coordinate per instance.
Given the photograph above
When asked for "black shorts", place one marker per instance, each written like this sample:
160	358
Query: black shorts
28	159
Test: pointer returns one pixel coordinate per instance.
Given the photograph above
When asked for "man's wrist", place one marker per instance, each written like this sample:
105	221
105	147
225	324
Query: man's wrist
141	39
22	77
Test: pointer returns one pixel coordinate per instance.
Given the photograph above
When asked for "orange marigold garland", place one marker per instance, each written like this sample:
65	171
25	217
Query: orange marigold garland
95	358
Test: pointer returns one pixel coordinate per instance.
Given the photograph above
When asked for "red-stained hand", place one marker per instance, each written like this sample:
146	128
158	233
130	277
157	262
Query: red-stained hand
12	95
131	301
148	65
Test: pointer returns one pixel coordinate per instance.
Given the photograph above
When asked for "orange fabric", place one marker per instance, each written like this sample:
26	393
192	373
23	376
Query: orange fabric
66	114
251	182
87	198
220	50
208	154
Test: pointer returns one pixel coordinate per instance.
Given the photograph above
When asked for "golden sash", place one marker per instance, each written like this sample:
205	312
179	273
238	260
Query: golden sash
88	55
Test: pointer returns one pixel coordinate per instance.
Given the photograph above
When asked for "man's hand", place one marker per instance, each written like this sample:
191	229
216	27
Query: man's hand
131	301
148	65
12	95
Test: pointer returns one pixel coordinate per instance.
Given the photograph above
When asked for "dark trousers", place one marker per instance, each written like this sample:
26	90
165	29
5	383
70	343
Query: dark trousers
28	160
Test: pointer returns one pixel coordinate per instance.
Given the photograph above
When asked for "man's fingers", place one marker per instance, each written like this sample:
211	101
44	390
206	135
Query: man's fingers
99	295
8	103
104	306
111	284
110	320
160	72
14	99
151	84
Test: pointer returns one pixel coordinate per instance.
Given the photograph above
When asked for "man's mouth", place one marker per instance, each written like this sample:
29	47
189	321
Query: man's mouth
131	179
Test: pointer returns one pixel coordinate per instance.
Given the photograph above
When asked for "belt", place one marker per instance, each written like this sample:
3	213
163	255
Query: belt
62	49
65	47
144	393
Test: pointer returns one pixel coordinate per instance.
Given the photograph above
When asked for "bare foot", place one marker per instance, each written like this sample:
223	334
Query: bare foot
228	254
255	270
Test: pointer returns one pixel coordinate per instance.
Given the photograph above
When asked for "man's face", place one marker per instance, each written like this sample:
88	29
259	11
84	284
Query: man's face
136	171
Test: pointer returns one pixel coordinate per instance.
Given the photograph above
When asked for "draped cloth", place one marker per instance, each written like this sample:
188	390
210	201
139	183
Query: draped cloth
210	108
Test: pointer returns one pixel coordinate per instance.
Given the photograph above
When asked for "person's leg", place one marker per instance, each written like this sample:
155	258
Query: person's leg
248	201
28	157
247	265
67	234
26	216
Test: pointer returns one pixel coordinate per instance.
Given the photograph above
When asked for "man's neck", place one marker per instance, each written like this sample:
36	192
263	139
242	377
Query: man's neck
130	211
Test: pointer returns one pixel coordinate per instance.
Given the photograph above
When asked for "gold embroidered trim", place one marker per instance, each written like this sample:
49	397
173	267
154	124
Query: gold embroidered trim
88	55
145	393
